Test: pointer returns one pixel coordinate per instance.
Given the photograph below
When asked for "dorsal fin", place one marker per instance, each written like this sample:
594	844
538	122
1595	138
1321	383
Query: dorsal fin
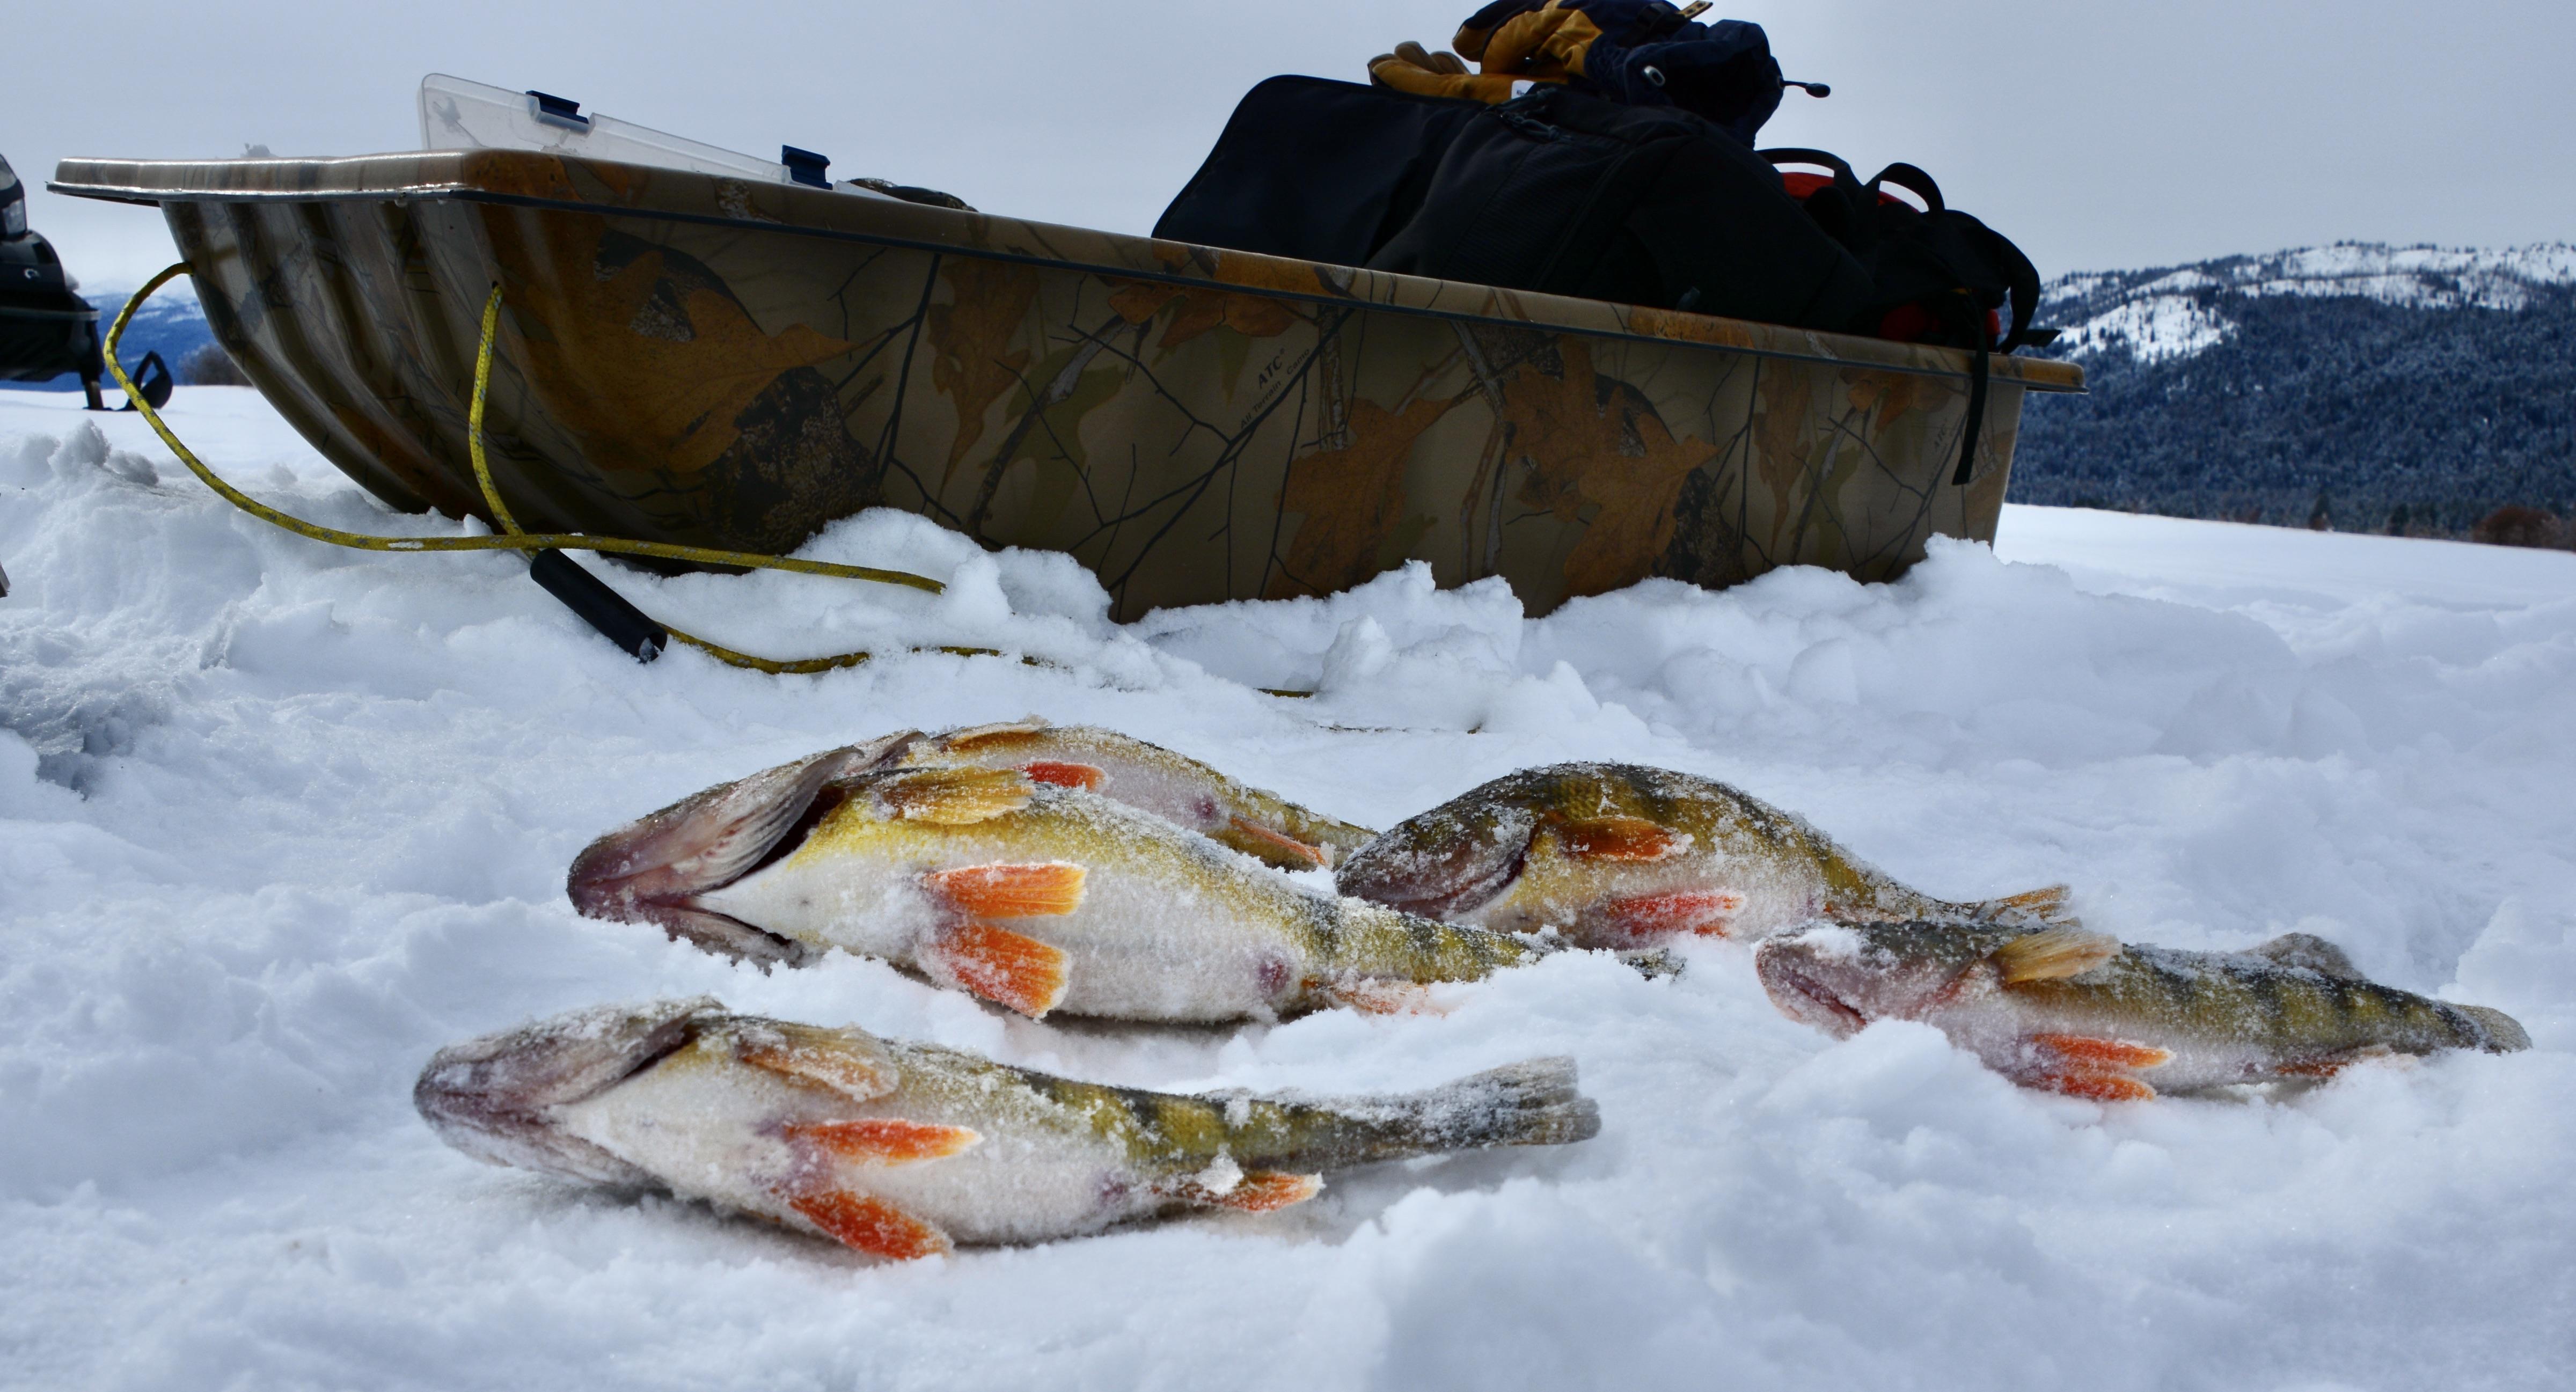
2308	952
849	1062
2052	954
955	796
1001	732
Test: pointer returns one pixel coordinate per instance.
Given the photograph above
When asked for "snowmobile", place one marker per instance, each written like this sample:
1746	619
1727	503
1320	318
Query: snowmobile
705	347
46	328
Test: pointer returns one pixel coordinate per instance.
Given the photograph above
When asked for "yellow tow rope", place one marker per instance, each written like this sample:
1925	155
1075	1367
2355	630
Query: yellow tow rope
510	537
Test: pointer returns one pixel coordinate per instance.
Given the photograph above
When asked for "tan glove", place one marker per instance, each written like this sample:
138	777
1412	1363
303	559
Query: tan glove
1546	43
1413	69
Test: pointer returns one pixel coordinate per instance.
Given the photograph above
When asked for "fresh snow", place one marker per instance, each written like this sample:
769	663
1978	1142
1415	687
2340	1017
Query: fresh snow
278	820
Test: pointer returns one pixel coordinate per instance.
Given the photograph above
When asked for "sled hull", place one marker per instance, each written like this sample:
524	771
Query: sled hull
716	362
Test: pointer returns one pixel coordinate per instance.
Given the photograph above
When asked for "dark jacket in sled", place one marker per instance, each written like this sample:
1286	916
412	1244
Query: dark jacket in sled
1316	170
1568	193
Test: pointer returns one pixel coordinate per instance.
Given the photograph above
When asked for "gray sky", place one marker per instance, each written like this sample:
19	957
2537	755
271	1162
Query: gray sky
2096	135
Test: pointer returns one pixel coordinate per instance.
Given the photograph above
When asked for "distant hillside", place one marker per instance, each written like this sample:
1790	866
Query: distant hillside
2388	388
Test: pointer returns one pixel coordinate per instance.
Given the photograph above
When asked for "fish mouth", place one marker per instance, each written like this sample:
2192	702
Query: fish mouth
1801	996
653	869
490	1097
1406	867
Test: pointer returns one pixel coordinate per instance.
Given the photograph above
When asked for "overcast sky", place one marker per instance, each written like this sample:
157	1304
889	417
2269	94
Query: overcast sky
2097	135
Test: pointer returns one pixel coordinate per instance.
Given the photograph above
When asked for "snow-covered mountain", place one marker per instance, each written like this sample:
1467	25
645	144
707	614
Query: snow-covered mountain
2368	386
2151	316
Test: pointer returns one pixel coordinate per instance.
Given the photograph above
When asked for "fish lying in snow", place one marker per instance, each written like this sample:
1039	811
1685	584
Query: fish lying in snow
1033	895
1611	855
2078	1013
900	1149
1263	825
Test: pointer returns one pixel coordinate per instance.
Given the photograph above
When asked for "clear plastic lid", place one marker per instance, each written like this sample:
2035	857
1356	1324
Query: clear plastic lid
459	115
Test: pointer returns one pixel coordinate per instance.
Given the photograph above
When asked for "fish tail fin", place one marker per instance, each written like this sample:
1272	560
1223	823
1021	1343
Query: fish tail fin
2044	907
1534	1102
2504	1033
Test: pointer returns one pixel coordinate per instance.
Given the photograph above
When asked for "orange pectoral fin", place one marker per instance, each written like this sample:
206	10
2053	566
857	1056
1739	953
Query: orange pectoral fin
1043	890
2085	1066
1267	846
1259	1191
884	1140
1009	969
2106	1053
1084	776
1617	838
870	1225
1683	911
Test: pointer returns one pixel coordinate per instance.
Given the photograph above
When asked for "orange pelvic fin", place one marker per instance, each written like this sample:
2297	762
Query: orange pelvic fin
871	1225
2054	953
1009	969
847	1062
1658	915
1617	838
1378	996
1259	1191
2086	1066
955	796
1043	890
1087	777
884	1140
1267	846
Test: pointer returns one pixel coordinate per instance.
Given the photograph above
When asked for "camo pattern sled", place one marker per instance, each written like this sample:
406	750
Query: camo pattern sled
726	363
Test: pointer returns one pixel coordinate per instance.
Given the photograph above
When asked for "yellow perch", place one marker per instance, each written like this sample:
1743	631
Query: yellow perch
901	1150
2078	1013
1612	855
1033	895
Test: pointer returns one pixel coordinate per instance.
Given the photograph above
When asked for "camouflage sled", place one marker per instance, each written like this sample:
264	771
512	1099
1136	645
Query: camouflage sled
725	362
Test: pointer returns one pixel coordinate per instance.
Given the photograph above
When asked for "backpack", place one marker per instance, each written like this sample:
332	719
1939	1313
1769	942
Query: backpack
1566	193
1941	275
1938	275
1316	170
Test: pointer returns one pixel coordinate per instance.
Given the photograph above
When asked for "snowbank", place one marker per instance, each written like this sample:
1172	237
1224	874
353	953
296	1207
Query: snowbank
278	820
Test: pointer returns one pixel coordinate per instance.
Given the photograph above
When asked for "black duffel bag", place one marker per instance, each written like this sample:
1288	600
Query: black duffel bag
1316	170
1564	192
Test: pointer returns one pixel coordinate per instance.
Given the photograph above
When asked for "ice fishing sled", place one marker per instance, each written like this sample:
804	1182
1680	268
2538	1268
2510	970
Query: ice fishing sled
715	350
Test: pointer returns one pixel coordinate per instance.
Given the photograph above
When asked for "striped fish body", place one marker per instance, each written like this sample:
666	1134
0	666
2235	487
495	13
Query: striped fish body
902	1149
1045	897
2080	1013
1612	855
1149	778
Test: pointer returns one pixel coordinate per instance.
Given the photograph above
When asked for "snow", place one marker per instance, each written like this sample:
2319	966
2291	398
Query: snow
277	821
2150	330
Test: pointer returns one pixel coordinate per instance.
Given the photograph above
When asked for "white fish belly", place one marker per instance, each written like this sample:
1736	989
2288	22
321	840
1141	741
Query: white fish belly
1137	948
717	1134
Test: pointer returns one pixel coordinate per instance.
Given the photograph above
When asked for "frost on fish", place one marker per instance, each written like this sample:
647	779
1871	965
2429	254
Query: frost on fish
1149	778
1034	895
2080	1013
902	1150
1616	855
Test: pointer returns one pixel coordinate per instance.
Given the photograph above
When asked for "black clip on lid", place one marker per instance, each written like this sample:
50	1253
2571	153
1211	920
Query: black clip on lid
805	166
560	111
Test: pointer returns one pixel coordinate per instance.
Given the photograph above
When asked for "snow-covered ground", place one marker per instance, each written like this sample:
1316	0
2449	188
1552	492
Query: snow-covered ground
278	820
